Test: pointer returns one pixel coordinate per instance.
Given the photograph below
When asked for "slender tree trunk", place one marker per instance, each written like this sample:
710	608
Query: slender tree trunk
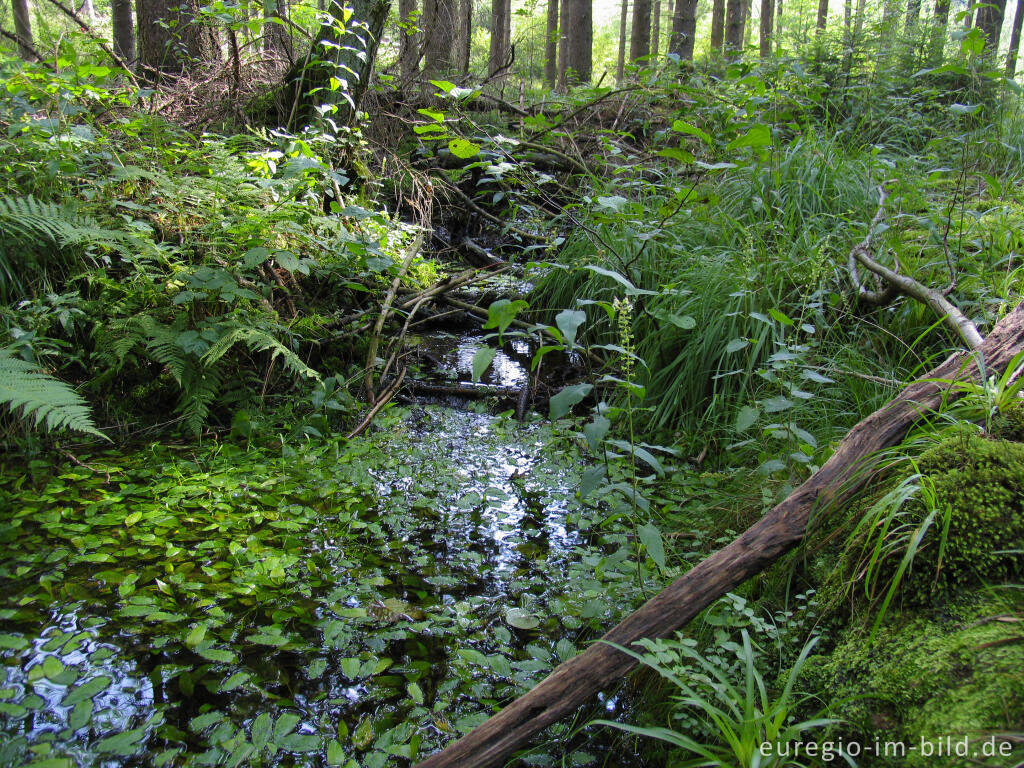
168	41
551	46
355	52
23	28
656	29
717	25
620	62
858	22
563	43
442	23
1012	54
767	17
88	10
778	26
748	25
124	30
276	37
990	21
734	26
684	29
640	37
408	39
822	20
940	24
913	17
580	64
501	34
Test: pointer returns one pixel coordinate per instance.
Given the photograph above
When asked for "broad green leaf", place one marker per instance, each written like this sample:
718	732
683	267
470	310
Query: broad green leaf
219	655
680	126
464	149
650	537
195	637
285	724
776	404
434	114
746	418
592	477
502	312
234	681
595	432
13	642
261	729
759	135
87	690
124	744
613	203
780	316
569	396
569	322
482	359
204	721
521	619
736	345
335	754
415	693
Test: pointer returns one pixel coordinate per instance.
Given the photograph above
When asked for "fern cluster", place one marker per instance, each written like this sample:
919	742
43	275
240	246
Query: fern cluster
46	400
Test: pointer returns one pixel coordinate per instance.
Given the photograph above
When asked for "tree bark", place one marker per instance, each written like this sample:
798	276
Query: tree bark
275	34
580	61
408	39
23	29
551	46
465	36
684	29
717	25
620	63
767	17
563	42
640	35
349	56
734	26
940	24
124	30
656	29
1012	54
822	20
913	17
439	36
990	21
501	35
169	41
576	681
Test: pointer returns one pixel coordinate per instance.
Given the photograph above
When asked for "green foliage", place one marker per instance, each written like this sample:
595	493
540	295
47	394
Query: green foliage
747	718
48	401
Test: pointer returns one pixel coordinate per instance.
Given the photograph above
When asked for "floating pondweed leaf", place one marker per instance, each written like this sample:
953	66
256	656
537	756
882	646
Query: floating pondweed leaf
520	618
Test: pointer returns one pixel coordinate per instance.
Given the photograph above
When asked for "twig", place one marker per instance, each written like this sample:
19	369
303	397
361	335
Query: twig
371	356
490	216
97	39
385	398
25	44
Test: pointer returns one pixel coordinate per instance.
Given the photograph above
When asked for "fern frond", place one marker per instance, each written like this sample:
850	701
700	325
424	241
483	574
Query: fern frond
198	389
53	404
61	225
258	341
160	340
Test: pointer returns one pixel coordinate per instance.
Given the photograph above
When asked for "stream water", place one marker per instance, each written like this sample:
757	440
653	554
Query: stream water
318	602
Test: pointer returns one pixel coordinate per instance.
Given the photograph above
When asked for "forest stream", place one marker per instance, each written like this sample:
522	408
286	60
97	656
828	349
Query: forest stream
318	601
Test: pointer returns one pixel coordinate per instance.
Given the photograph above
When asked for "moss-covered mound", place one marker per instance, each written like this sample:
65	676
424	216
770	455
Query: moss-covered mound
958	677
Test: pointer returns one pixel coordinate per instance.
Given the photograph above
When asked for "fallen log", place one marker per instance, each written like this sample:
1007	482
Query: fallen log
574	682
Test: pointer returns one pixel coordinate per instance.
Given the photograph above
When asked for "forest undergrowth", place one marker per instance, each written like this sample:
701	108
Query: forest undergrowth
187	317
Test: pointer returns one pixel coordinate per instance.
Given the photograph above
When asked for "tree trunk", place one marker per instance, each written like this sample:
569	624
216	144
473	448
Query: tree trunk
465	36
168	39
733	26
990	21
276	38
913	17
940	25
640	36
620	62
408	39
563	42
551	46
778	26
1011	56
124	30
350	56
576	681
441	20
656	29
858	22
767	17
501	20
23	29
88	10
717	25
684	29
822	20
580	56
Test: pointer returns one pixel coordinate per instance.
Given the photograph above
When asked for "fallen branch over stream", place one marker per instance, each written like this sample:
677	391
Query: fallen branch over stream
576	681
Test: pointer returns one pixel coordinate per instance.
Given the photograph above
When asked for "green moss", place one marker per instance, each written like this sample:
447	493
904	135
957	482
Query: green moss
959	674
980	483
